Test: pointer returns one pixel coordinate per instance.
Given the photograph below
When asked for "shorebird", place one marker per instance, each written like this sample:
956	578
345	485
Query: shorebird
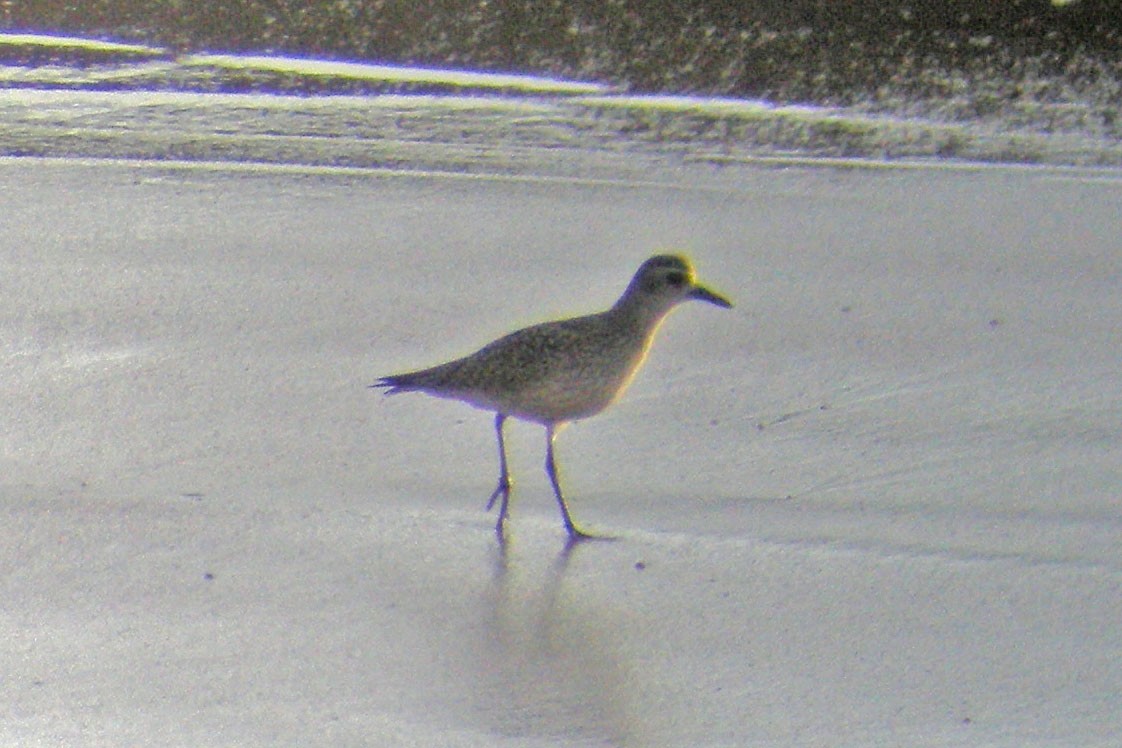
562	371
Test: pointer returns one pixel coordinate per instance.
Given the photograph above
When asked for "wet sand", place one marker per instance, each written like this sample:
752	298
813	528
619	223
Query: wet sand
874	504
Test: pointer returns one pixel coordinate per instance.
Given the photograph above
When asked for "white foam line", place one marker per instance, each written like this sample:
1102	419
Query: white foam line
264	167
280	101
1103	175
73	42
393	73
710	105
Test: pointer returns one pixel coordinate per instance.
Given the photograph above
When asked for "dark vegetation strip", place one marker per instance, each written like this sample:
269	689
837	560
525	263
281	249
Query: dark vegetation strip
824	51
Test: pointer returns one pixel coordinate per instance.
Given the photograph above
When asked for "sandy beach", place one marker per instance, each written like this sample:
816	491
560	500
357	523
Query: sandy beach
876	504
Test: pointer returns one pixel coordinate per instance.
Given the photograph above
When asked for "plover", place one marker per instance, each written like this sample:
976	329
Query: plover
562	371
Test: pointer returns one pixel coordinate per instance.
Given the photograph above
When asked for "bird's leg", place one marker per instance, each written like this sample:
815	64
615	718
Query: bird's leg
503	489
575	533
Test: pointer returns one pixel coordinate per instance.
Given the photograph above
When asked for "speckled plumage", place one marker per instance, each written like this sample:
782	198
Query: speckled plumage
557	372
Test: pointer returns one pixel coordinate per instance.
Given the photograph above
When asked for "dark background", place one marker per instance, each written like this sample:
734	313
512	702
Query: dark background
829	51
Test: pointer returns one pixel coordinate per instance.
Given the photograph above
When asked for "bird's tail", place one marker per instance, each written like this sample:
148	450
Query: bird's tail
391	385
398	383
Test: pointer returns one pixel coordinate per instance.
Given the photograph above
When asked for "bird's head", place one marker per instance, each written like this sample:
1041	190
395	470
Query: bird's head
664	281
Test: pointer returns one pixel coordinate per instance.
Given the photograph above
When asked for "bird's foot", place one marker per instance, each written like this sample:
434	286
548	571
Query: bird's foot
503	490
577	535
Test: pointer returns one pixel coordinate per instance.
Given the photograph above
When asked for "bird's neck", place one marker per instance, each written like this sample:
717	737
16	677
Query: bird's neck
632	313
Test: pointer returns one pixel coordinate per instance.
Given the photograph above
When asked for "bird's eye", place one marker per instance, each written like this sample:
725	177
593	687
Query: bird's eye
676	279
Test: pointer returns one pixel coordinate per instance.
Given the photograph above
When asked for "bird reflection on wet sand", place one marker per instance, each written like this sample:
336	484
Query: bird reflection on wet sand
553	658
